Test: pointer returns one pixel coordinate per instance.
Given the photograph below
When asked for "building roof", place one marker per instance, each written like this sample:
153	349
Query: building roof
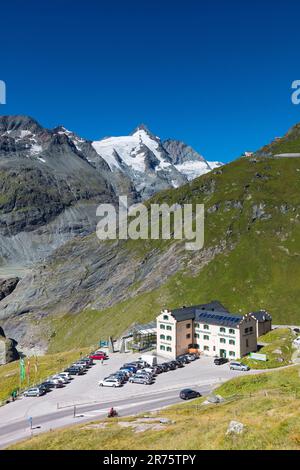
261	315
218	318
188	313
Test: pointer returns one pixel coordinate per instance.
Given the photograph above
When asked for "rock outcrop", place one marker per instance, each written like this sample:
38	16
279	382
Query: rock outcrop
8	351
7	286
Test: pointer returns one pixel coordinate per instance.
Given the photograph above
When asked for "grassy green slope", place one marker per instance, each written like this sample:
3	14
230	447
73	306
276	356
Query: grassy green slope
289	143
258	269
46	365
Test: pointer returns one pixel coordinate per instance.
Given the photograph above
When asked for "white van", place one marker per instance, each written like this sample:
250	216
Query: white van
151	360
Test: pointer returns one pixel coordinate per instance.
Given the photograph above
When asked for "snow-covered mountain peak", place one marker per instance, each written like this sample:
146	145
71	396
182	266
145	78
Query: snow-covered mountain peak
139	164
149	161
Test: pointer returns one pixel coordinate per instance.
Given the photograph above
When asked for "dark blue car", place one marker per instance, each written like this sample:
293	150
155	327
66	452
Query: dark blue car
188	393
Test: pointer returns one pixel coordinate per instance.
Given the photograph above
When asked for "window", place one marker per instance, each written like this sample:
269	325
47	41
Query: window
188	336
162	337
231	353
162	327
222	329
169	349
206	337
246	330
188	325
206	348
196	335
166	317
222	340
197	325
169	327
251	328
206	327
162	348
231	331
231	341
169	338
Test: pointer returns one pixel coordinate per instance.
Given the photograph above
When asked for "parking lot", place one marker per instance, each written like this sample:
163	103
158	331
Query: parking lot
84	389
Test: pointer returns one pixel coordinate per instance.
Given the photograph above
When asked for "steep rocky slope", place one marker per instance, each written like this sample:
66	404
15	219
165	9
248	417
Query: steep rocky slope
51	182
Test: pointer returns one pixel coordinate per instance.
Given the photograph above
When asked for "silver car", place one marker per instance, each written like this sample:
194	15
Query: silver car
110	382
34	392
239	366
141	379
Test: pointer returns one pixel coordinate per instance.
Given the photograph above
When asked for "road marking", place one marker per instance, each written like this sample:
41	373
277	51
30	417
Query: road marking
124	407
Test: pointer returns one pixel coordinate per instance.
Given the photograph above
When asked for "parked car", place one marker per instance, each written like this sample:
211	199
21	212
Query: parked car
98	357
142	363
132	369
150	370
239	366
179	364
166	365
80	365
46	386
141	379
132	364
191	356
123	373
218	361
121	378
66	375
128	372
87	360
110	382
183	358
144	373
159	369
188	393
56	383
34	392
61	379
86	364
172	365
139	364
74	370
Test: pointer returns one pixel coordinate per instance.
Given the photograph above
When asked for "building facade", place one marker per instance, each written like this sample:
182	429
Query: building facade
263	322
209	328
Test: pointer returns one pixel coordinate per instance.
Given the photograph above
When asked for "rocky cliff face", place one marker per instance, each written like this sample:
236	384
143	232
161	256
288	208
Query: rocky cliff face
51	182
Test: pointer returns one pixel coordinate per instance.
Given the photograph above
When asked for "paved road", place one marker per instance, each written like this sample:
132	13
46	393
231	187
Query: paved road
56	409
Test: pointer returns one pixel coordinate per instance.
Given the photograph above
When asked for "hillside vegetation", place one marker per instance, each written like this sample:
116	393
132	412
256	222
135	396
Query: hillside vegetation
250	258
267	404
46	365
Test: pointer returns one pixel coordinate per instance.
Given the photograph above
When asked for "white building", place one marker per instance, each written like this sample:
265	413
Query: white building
209	328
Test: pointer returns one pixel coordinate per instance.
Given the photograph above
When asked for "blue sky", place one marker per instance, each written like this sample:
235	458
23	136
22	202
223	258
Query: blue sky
216	74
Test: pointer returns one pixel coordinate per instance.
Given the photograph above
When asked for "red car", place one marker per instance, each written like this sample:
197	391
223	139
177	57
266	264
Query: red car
98	356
